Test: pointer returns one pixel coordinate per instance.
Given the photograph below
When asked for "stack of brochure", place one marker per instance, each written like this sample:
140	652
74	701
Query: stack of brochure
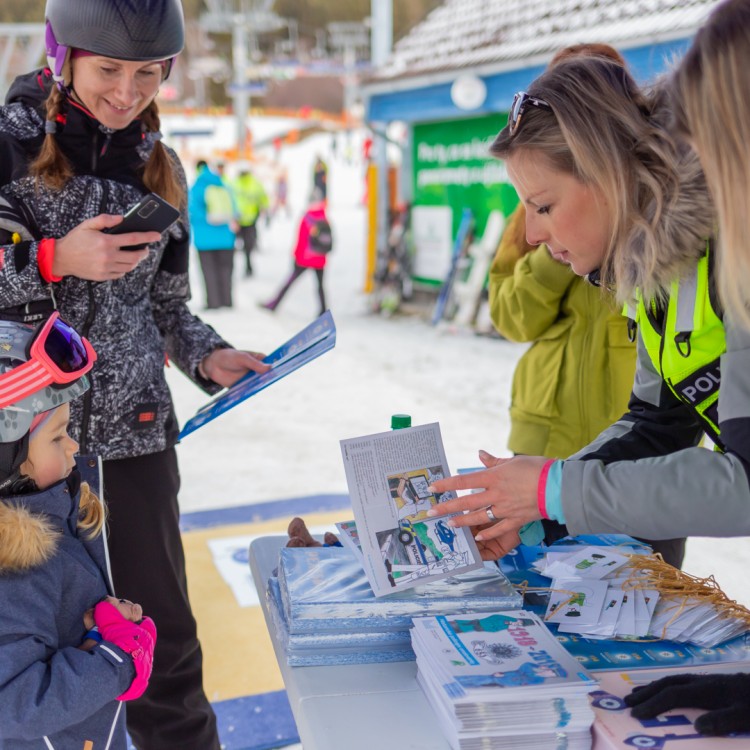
326	613
320	647
501	680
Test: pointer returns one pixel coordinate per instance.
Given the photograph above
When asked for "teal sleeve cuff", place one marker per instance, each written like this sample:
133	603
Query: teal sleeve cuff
553	492
531	534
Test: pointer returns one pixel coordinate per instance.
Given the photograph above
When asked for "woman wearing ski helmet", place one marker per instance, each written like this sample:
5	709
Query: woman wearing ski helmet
81	144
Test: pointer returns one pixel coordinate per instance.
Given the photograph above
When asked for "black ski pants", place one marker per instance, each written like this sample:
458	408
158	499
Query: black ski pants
297	271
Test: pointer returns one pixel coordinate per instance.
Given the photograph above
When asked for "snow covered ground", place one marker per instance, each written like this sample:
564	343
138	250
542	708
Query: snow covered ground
284	442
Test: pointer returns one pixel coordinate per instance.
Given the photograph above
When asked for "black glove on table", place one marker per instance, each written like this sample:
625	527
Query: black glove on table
727	696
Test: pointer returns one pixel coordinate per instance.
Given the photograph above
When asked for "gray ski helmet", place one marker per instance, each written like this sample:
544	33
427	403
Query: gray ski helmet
16	418
120	29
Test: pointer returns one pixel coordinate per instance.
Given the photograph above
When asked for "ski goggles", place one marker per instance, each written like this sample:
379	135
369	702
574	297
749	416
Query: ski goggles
57	356
521	102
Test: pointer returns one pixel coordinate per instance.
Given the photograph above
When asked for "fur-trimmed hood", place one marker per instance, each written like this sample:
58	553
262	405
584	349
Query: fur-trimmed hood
688	220
687	216
31	525
26	540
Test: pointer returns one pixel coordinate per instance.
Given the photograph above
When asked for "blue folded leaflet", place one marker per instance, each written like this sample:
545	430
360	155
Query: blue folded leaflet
305	346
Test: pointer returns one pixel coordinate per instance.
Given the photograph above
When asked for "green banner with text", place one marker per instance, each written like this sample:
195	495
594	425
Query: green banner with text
452	167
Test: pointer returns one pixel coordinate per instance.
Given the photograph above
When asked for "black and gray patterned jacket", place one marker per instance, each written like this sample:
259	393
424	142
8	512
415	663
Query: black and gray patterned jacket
134	322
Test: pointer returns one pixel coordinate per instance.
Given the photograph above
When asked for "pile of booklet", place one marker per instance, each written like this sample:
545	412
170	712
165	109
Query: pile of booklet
326	613
501	680
593	595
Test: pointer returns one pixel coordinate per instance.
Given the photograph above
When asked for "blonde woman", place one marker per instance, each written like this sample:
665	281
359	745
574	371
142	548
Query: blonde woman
612	194
711	98
575	378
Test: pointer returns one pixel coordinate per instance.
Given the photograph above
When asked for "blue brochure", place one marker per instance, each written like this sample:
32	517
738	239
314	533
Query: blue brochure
309	343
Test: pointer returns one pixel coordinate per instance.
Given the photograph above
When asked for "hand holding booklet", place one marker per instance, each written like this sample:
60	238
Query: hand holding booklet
388	475
309	343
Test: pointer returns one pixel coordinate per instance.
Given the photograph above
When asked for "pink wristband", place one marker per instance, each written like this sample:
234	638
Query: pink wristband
541	489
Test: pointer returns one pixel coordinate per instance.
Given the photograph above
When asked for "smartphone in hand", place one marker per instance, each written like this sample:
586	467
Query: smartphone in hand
151	214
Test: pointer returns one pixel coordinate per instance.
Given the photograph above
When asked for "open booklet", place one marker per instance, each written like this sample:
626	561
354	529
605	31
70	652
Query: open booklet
309	343
388	475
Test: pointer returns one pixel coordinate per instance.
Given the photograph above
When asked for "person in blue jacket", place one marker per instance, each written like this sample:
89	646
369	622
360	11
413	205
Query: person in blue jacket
61	683
212	217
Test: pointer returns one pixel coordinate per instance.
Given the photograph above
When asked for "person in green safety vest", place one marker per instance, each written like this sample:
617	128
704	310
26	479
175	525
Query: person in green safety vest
252	201
711	100
610	190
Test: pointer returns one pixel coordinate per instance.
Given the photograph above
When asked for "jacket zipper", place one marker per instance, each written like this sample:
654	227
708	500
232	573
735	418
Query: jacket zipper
87	323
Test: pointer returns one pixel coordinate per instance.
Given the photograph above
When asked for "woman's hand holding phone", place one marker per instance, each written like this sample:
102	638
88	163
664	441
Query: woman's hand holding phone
107	247
89	253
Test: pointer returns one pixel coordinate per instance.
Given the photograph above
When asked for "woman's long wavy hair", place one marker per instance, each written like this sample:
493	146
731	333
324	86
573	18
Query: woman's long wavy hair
53	168
514	235
711	98
609	134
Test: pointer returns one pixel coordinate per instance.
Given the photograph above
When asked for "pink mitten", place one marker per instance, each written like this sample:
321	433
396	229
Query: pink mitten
136	639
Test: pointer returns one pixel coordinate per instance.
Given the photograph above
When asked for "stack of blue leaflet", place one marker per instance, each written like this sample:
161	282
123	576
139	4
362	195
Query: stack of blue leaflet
325	611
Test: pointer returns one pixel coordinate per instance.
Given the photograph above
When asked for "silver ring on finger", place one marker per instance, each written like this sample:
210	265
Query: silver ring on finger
490	514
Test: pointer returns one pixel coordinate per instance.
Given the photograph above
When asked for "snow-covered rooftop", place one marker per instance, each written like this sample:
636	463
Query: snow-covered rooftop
472	33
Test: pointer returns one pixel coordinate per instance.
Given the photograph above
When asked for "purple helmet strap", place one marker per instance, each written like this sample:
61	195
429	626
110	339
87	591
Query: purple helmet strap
56	54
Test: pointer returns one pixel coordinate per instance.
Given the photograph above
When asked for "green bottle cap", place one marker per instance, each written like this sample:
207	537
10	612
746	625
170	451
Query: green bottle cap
399	421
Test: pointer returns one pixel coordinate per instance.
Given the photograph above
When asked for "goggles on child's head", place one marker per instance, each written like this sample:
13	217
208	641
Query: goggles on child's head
56	356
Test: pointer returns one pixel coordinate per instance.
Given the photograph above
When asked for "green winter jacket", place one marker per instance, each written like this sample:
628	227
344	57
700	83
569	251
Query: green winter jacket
576	378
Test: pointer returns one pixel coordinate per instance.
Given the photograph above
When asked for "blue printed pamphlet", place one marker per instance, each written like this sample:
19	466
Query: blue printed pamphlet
309	343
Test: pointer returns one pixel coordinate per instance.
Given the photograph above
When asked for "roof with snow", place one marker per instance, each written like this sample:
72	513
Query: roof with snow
508	33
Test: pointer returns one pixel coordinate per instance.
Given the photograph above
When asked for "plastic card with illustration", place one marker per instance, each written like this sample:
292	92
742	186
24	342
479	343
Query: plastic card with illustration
576	601
616	728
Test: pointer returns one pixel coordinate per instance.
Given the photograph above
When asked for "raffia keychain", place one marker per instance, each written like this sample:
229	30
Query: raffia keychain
651	572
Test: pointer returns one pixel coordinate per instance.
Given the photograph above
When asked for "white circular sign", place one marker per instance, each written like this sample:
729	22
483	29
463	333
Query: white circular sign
468	92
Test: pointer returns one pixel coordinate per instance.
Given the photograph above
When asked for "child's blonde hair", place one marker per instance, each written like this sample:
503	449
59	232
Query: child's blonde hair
91	512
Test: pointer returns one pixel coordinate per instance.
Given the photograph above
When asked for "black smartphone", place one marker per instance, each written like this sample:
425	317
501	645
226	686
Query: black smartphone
150	214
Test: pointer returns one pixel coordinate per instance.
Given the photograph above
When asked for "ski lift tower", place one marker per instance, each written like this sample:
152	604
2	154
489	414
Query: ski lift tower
351	40
21	48
245	20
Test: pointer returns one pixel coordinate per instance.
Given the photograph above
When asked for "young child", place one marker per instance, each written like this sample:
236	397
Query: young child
52	561
308	253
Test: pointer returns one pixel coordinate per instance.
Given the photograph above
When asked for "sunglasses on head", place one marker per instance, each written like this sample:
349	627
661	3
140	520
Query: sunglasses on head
521	101
58	355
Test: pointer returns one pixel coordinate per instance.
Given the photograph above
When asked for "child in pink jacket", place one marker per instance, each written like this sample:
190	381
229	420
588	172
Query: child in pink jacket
314	242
